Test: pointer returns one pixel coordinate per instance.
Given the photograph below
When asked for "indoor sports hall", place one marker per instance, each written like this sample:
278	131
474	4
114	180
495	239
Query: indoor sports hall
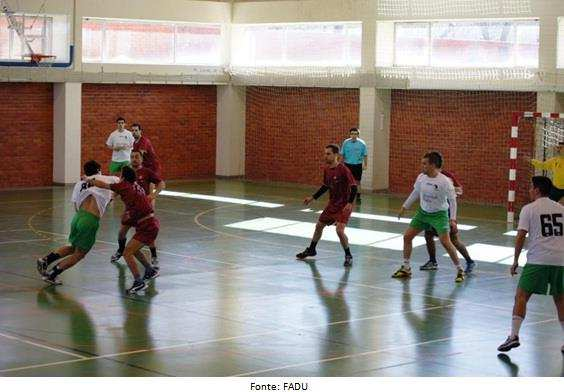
239	103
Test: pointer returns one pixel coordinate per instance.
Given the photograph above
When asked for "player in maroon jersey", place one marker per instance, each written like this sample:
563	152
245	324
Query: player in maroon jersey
454	238
145	147
142	217
339	181
152	184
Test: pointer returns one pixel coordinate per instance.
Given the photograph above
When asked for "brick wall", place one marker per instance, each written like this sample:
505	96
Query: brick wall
472	131
179	120
288	128
26	134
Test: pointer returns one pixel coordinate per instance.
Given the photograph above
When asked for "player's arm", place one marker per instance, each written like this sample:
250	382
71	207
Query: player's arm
324	188
111	145
540	165
98	183
519	243
365	158
452	205
412	198
159	186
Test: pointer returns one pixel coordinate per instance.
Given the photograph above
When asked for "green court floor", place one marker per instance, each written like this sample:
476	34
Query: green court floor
233	301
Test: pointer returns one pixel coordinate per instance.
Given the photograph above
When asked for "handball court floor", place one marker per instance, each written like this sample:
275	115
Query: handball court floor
233	301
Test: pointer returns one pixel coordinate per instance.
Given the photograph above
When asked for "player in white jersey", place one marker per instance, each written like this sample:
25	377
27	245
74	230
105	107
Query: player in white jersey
437	211
90	204
543	220
120	142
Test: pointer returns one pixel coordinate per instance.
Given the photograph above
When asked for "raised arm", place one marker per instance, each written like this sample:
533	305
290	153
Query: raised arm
546	165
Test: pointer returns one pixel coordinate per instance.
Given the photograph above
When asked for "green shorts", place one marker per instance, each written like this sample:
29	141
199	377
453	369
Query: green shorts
84	226
115	167
431	220
542	279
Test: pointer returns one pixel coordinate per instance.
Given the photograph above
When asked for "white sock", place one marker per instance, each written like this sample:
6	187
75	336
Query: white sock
516	325
406	264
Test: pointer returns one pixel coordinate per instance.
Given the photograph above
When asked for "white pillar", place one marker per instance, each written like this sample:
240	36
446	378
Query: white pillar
374	116
67	106
230	143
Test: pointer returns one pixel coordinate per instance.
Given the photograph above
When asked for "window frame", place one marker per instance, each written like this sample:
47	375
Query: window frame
284	63
174	24
430	23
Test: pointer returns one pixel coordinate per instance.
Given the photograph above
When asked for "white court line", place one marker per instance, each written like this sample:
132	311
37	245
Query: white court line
221	199
512	233
207	341
23	241
372	238
495	254
387	218
42	346
13	230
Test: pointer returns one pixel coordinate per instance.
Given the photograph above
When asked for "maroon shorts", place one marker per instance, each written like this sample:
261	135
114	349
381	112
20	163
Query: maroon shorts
146	231
329	216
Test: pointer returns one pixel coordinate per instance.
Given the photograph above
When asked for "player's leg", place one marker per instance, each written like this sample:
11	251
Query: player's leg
65	264
455	239
319	227
405	270
132	247
340	228
444	237
145	233
122	238
430	265
44	262
519	312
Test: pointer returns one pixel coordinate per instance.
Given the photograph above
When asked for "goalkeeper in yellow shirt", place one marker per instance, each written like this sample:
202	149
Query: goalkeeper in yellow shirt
556	166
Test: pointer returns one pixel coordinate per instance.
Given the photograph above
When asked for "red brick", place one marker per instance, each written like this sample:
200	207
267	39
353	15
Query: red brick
288	128
179	120
470	129
26	134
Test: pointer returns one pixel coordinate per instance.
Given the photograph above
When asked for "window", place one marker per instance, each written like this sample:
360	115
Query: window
560	44
303	44
473	44
46	34
145	42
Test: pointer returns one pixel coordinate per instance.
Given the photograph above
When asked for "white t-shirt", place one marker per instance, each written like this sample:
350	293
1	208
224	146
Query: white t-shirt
434	193
121	139
543	219
103	196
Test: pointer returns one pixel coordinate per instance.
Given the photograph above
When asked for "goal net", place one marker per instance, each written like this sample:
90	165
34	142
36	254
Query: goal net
548	132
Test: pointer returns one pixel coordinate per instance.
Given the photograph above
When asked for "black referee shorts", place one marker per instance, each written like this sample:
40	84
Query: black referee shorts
356	171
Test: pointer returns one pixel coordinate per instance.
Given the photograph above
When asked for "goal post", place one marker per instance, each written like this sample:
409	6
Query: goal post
549	131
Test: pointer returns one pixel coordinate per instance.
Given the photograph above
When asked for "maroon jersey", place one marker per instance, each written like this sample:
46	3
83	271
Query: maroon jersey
146	177
150	159
455	181
137	204
339	180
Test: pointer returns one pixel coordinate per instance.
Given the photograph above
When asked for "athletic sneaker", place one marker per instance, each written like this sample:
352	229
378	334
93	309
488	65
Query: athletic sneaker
306	253
469	267
115	257
402	273
510	343
42	267
429	266
150	274
51	280
138	285
348	261
459	276
155	262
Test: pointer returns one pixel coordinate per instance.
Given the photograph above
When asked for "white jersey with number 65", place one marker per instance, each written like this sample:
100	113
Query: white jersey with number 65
543	219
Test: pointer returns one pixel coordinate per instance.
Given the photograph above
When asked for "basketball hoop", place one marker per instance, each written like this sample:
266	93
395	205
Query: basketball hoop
40	60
